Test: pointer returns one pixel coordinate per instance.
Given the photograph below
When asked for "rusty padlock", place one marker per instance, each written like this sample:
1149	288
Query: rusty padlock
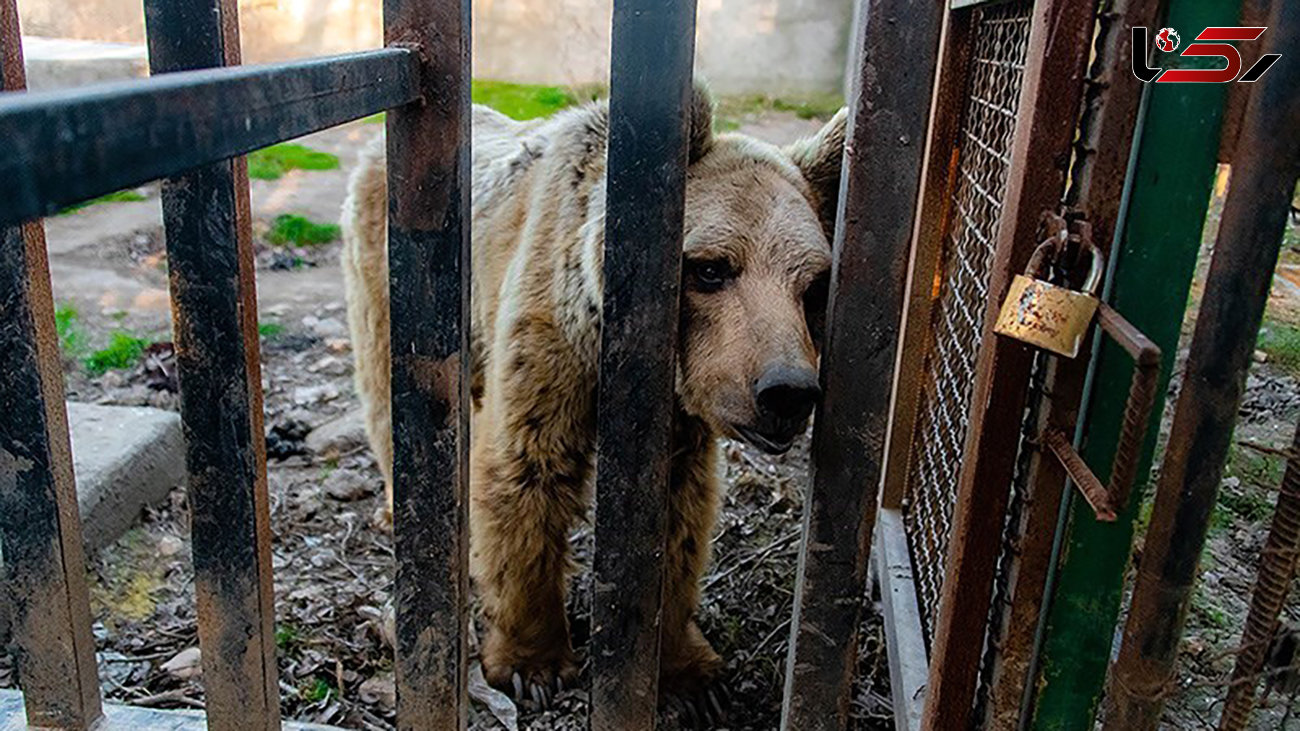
1046	315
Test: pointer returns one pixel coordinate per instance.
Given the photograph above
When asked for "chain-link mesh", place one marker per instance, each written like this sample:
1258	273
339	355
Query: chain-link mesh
996	69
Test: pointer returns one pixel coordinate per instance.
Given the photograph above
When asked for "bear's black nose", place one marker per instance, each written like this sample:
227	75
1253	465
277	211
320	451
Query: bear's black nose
787	392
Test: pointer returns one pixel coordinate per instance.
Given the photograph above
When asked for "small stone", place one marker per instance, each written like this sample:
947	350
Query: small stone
379	691
277	310
329	365
1260	356
338	345
307	395
184	665
348	485
170	545
330	327
340	435
334	306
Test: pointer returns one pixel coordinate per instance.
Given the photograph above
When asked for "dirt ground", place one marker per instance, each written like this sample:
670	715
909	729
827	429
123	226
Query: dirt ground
333	568
1240	523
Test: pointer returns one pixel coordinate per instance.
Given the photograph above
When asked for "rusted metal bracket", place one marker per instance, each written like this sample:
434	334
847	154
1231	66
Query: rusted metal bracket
1107	500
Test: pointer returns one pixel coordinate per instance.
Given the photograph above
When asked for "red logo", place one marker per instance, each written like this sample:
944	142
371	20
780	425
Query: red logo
1168	40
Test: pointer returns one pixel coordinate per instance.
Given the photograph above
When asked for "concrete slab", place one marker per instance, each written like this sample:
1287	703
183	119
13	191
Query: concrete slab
117	716
58	63
125	458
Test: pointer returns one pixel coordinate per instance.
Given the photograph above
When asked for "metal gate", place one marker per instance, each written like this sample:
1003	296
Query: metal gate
997	62
1019	114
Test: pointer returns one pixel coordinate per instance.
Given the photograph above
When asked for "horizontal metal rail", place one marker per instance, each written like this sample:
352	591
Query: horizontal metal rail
62	147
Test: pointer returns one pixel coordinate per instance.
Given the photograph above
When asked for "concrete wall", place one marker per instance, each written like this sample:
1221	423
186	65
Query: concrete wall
768	46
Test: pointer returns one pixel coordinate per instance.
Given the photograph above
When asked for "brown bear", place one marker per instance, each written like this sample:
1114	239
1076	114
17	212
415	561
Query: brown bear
756	262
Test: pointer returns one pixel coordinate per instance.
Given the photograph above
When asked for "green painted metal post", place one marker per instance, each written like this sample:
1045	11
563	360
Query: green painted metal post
1169	198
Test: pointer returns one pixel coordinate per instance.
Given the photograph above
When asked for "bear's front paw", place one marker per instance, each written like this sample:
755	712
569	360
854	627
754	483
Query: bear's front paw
528	676
691	688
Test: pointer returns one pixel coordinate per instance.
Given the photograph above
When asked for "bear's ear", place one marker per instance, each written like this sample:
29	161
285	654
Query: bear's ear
701	111
820	158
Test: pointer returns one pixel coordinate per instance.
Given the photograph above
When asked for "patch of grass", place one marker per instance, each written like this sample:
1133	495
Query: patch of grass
820	106
732	109
121	196
123	351
270	330
315	691
301	231
286	635
273	162
1253	468
1281	342
521	101
1247	504
1210	614
71	340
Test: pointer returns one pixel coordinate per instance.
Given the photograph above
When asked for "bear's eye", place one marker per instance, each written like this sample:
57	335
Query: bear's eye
814	307
710	275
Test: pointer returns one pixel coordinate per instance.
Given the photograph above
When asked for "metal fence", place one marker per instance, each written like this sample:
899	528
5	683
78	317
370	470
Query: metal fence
1000	39
191	121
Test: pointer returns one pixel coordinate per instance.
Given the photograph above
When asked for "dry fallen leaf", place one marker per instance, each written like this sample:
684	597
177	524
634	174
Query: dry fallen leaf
185	664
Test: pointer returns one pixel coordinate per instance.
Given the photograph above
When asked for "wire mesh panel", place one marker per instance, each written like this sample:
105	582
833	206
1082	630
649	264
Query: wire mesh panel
995	71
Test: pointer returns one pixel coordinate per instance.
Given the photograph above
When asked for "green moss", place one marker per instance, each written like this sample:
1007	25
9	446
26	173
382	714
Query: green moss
121	196
123	351
274	161
301	231
1281	342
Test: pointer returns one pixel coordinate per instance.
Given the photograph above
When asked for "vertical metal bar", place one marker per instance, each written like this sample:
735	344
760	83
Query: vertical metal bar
1236	293
650	88
897	42
1153	265
41	556
1277	566
1103	154
214	304
429	273
1055	66
932	222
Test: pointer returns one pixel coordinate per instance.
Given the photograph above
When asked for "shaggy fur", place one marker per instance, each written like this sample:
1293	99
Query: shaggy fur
755	258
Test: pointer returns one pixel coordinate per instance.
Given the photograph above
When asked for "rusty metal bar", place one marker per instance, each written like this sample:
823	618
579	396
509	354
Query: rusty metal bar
214	300
1055	67
1093	491
889	109
931	223
1277	566
62	147
1236	292
42	563
428	249
1141	398
649	129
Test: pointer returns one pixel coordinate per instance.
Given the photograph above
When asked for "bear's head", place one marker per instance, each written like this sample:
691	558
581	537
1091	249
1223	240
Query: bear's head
755	272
